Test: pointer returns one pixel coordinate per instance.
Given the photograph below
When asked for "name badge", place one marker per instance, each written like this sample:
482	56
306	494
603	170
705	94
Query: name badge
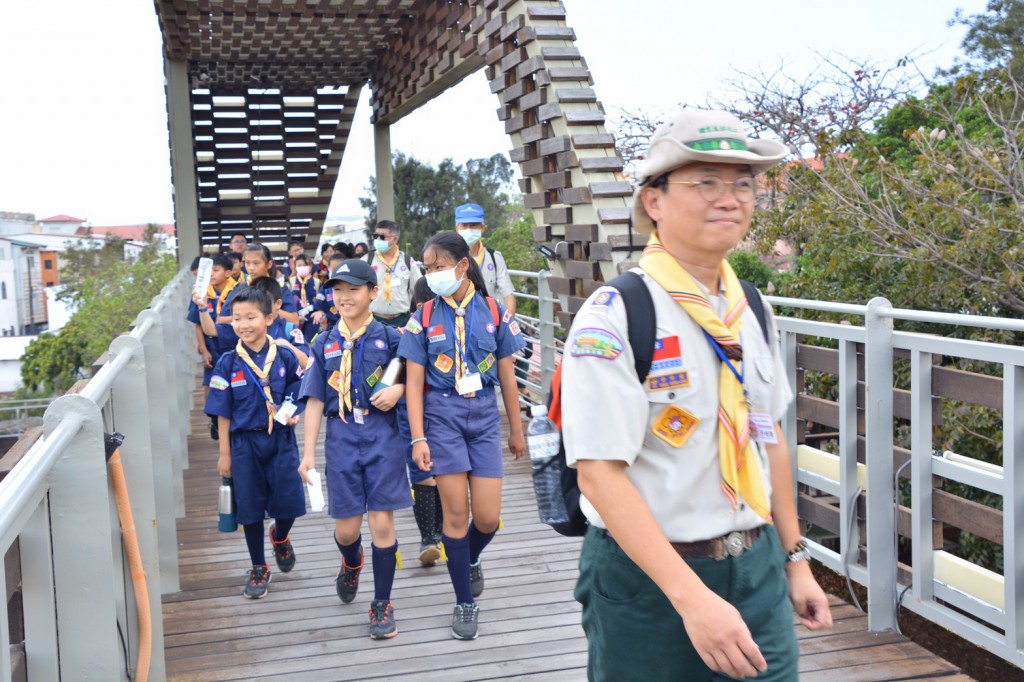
359	414
471	383
762	430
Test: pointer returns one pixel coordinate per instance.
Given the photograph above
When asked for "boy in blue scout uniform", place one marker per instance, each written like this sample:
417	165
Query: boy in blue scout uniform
285	333
220	288
363	451
325	313
249	385
693	563
453	364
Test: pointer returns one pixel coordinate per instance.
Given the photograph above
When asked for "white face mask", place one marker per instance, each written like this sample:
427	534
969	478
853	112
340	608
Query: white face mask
443	283
381	245
472	236
302	271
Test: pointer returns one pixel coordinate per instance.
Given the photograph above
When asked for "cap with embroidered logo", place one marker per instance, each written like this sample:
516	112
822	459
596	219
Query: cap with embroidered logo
469	214
695	135
353	271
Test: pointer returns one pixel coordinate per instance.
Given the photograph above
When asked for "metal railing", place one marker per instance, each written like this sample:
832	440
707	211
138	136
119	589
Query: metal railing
971	600
57	504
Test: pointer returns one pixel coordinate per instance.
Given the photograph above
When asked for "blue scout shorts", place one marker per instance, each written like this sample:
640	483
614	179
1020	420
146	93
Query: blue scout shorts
464	433
365	466
416	475
265	468
634	633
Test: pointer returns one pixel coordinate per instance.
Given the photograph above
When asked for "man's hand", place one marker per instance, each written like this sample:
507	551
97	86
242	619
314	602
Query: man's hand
809	600
720	636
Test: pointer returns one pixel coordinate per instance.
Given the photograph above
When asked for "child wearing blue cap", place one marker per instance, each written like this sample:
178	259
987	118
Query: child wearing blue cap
249	385
365	462
457	347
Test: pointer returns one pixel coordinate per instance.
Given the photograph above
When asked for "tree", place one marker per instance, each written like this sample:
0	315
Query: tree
426	197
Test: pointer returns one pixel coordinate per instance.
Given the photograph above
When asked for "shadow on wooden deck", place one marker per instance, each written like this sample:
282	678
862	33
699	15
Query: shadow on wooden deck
529	622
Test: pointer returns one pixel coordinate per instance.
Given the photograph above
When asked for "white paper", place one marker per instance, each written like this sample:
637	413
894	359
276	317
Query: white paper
316	495
285	412
203	276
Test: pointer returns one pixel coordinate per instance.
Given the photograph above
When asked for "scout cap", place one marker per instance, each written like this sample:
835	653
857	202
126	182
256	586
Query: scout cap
469	214
700	135
353	271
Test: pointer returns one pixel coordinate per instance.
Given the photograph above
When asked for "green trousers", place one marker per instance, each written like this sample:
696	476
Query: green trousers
634	633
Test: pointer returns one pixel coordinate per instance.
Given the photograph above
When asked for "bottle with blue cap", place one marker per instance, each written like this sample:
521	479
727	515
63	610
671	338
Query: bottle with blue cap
544	441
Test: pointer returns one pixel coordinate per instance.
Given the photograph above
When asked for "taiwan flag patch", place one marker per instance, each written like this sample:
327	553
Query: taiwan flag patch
238	379
332	350
436	333
666	355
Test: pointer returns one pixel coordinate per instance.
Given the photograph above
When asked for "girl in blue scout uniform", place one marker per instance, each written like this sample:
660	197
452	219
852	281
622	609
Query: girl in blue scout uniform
363	451
258	263
458	355
303	286
249	385
284	333
220	288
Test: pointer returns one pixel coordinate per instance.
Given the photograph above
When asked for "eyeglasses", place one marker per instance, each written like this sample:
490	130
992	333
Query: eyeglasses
238	241
712	188
381	236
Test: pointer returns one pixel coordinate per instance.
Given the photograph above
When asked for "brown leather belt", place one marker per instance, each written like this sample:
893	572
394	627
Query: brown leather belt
733	544
390	317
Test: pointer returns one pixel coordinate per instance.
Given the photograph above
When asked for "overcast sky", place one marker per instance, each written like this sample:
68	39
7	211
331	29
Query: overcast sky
83	124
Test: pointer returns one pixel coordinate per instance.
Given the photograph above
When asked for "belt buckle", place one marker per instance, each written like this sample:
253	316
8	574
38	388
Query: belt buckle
734	544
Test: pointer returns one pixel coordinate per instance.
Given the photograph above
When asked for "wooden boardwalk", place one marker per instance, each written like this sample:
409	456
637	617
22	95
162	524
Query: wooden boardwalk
529	622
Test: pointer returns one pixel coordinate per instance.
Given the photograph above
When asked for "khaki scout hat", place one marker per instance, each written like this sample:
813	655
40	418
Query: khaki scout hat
700	135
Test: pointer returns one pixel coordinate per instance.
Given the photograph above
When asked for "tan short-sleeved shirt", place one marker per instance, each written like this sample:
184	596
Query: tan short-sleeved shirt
608	414
496	277
403	279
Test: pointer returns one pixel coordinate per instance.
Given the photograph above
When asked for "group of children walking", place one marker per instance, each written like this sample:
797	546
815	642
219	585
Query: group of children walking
263	378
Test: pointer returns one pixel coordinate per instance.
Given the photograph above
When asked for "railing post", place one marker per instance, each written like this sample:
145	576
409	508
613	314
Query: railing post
546	313
849	530
82	535
881	513
1013	503
130	407
921	475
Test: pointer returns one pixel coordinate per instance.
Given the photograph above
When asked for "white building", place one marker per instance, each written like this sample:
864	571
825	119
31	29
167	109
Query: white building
22	295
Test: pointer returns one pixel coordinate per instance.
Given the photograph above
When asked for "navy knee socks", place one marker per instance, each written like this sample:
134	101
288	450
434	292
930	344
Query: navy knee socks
352	554
458	567
477	541
384	564
254	541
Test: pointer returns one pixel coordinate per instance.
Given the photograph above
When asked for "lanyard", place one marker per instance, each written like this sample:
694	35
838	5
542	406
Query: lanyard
721	356
356	381
469	331
256	379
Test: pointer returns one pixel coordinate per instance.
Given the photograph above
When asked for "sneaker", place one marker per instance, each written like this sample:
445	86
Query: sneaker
283	552
429	554
464	621
476	578
256	587
382	619
347	582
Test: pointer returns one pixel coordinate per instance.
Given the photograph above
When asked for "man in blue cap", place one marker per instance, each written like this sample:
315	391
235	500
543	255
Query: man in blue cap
469	222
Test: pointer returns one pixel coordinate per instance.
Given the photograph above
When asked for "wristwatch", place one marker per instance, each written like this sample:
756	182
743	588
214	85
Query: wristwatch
800	552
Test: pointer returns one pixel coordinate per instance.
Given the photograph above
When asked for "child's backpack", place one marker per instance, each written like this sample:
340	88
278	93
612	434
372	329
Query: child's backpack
642	329
428	308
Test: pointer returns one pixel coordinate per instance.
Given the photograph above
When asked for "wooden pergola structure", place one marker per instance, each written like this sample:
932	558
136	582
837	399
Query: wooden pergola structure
262	93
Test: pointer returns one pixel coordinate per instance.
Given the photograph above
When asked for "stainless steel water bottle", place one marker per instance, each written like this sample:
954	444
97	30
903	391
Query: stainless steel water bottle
226	506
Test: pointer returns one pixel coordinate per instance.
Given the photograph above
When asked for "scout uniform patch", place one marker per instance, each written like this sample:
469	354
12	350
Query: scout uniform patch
412	326
444	363
487	363
333	380
332	350
675	426
372	380
238	379
663	382
436	333
596	343
604	298
218	383
666	355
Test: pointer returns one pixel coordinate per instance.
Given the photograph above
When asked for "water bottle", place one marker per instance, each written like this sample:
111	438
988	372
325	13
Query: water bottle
226	522
390	376
544	441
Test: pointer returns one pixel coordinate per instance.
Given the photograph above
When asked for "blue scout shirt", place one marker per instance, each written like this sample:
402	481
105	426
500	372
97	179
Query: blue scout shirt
212	344
324	302
279	329
235	391
296	288
370	357
434	348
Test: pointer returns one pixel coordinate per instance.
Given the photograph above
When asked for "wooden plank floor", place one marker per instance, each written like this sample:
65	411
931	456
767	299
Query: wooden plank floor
529	622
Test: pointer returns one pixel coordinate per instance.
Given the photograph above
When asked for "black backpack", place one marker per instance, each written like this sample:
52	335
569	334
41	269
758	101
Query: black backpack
642	326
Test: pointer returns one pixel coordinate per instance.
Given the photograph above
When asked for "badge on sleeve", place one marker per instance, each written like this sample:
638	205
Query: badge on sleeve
238	379
380	344
507	316
334	380
604	298
596	343
443	363
412	326
297	337
372	380
513	326
675	426
487	363
218	383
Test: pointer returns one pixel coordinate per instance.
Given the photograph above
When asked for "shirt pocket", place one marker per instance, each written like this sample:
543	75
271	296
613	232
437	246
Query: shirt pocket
759	375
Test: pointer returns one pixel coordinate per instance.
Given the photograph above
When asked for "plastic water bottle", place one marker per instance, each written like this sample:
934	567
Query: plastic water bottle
226	522
543	441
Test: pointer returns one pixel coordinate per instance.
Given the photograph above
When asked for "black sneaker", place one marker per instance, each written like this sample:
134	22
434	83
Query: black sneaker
464	621
347	582
429	554
256	587
382	620
476	578
283	552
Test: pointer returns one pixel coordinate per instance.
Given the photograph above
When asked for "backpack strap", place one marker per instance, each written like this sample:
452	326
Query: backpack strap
641	321
368	256
756	303
428	308
493	305
408	262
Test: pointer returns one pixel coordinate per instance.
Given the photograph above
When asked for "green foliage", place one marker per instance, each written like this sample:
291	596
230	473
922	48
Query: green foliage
995	38
426	197
748	266
108	292
517	246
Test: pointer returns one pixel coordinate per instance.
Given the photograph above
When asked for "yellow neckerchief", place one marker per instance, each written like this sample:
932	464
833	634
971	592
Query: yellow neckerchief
483	251
345	380
229	284
741	470
460	330
388	268
302	289
263	375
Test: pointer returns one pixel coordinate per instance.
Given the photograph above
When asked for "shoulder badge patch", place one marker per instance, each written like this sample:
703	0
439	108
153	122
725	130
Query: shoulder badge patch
413	326
605	296
596	343
218	383
297	337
